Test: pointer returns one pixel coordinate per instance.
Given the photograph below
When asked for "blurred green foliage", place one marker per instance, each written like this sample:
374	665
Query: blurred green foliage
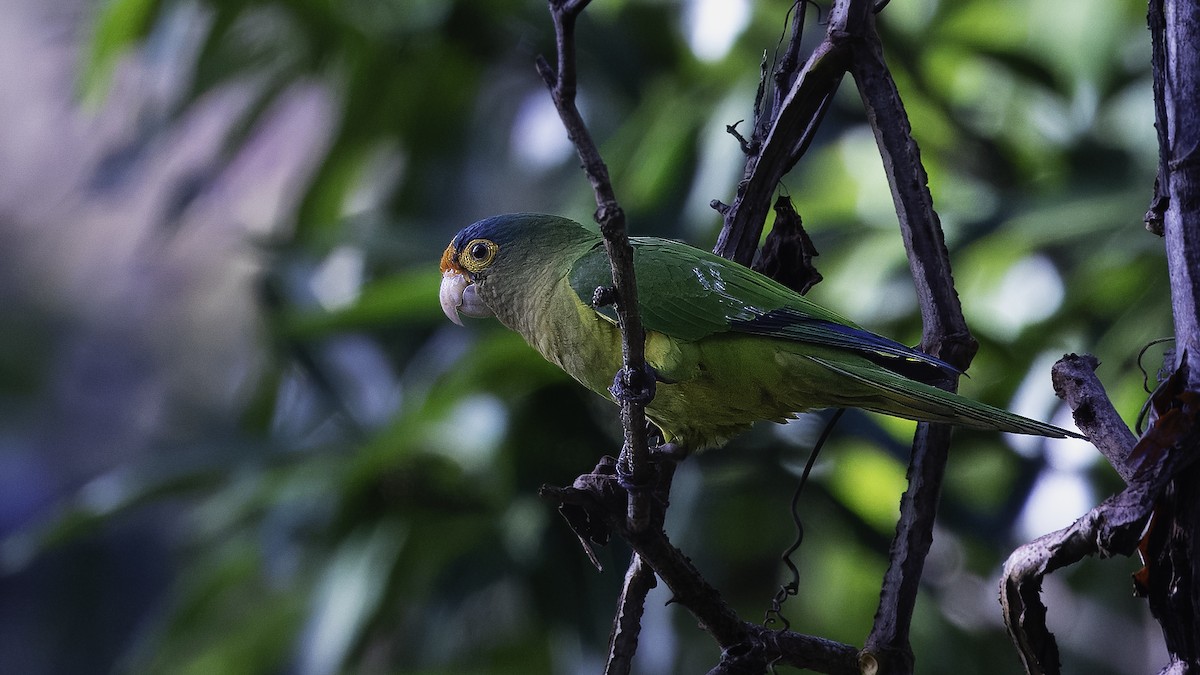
374	509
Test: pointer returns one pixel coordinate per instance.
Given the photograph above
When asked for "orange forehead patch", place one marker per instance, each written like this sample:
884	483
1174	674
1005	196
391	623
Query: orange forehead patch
448	262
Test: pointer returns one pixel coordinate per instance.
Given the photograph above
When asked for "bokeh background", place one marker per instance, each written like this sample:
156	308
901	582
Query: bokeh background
238	436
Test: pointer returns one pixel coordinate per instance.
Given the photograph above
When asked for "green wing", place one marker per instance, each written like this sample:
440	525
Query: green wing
690	294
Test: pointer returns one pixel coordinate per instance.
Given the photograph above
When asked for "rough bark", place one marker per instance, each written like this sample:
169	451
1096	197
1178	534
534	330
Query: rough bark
1161	499
1173	545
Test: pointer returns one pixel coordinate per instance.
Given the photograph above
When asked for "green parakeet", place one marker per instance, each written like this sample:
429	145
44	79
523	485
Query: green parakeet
729	346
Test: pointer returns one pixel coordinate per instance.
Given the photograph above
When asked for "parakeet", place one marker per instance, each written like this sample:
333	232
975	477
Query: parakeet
728	346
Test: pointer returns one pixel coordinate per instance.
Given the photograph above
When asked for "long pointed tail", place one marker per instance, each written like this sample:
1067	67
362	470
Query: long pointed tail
910	399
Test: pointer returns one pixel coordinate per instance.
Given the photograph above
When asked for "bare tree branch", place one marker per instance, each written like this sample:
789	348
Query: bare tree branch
1180	92
1114	527
1076	383
945	336
945	330
634	385
791	130
627	623
601	496
1111	528
1171	580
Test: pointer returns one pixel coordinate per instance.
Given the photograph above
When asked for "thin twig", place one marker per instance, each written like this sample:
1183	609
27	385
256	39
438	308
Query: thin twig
627	623
789	136
634	386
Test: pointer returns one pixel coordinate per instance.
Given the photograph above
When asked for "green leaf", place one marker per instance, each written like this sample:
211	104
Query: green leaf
406	298
119	24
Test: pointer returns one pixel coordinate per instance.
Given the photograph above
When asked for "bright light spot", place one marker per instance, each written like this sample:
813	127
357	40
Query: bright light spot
105	493
720	163
538	139
1057	500
1035	399
1070	454
658	648
523	524
873	198
473	430
713	25
338	280
1030	291
347	596
381	173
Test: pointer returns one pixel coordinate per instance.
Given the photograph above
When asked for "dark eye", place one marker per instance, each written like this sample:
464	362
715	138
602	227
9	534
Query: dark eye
478	254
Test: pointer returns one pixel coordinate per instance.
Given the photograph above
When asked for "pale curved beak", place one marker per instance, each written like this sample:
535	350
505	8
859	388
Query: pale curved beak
458	296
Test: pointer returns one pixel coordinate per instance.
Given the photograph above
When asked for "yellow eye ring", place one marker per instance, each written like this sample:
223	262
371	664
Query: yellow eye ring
478	254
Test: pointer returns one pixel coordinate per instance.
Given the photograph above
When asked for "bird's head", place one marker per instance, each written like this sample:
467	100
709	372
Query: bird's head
498	251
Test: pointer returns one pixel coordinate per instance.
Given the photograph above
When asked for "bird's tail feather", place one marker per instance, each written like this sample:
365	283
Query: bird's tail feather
907	398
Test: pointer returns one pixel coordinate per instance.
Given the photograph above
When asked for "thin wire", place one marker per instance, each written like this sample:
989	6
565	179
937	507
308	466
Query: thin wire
1141	418
793	587
1146	375
787	19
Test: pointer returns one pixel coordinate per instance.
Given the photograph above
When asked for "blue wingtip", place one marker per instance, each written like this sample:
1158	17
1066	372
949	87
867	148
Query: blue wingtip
788	323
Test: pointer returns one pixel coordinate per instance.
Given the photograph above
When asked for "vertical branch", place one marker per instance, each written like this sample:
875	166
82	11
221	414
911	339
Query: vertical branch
852	43
1180	92
945	332
633	386
1173	545
1158	62
945	336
